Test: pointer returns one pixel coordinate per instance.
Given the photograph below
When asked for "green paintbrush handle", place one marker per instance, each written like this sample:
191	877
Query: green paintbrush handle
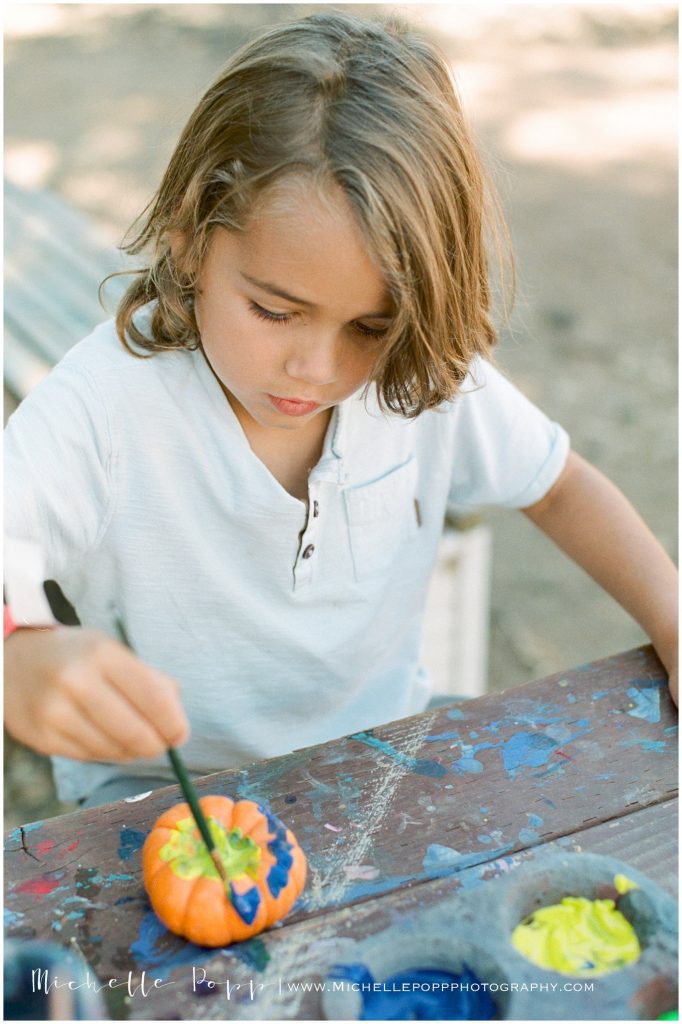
190	796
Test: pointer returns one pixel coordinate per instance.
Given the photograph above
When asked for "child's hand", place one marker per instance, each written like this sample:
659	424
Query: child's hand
79	693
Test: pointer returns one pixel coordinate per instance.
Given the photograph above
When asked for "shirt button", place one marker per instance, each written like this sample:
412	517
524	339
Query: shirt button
308	551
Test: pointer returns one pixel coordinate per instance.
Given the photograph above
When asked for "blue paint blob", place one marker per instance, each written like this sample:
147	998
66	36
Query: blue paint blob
444	860
158	951
534	820
571	698
280	848
419	994
455	713
599	694
484	839
246	904
468	763
253	953
442	736
527	749
657	746
419	765
529	836
130	841
647	700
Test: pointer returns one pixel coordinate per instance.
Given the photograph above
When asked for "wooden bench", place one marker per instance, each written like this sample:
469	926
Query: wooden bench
55	260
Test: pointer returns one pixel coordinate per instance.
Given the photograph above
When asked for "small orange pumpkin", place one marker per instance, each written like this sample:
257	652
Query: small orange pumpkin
264	865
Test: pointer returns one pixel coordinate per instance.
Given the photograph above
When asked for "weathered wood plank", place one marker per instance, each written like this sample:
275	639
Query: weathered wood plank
408	799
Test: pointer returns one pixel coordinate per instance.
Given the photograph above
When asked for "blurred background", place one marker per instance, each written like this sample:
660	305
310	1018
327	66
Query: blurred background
574	110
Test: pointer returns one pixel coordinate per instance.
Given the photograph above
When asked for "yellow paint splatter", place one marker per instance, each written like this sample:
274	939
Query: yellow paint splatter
624	884
579	937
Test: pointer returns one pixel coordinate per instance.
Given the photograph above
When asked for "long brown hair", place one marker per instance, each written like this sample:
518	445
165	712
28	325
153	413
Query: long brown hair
370	106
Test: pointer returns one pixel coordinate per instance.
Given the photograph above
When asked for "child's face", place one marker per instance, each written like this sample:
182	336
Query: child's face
284	361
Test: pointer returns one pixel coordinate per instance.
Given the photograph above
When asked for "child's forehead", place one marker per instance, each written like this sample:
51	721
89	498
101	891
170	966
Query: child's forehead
308	243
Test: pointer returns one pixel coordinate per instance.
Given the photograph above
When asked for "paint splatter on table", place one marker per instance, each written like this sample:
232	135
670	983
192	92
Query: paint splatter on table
389	818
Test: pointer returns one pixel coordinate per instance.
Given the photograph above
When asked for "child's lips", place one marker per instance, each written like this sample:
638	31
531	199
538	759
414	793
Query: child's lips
293	406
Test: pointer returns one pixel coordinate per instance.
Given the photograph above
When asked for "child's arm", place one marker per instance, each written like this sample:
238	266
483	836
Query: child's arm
79	693
594	523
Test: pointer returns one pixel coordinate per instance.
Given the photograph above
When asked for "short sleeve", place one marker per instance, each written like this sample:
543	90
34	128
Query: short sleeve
506	451
57	468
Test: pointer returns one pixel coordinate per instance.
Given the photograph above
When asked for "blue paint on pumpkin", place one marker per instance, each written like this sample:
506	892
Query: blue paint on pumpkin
246	903
280	847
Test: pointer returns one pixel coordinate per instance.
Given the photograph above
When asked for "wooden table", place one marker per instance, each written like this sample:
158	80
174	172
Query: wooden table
391	819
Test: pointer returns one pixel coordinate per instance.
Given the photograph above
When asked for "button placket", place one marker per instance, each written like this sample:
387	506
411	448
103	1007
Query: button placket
304	567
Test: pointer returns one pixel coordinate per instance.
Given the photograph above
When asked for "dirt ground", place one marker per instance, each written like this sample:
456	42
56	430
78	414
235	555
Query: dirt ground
574	107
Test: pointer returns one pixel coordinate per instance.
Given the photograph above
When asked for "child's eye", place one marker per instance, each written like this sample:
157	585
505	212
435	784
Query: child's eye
266	314
285	318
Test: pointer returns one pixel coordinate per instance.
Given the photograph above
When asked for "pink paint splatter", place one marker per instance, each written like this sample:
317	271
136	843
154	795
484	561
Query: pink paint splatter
38	887
333	828
560	753
70	848
42	848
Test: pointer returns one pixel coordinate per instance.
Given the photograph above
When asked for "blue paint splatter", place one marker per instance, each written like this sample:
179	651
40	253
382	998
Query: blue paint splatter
483	810
253	953
657	746
598	694
534	820
527	749
420	765
671	728
468	763
442	736
485	839
15	834
129	842
443	860
12	917
571	698
647	702
528	836
606	776
455	713
150	955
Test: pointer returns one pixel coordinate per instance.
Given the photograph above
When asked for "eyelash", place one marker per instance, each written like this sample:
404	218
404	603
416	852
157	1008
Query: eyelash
285	318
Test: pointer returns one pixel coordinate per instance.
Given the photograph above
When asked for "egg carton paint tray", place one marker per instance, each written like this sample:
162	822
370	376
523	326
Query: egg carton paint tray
395	973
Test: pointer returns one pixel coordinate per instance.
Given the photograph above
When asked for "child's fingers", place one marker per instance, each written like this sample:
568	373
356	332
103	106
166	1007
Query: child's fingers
125	731
153	695
81	739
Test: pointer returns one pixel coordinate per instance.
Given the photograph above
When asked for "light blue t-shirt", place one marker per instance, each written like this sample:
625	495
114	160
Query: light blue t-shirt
286	623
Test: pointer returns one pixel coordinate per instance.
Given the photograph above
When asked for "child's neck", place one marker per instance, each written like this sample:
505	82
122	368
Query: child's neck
290	455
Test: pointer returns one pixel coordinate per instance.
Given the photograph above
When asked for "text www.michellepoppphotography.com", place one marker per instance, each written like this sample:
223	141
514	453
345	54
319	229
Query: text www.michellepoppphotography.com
43	981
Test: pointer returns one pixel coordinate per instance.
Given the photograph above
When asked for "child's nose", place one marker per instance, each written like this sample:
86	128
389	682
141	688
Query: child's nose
315	363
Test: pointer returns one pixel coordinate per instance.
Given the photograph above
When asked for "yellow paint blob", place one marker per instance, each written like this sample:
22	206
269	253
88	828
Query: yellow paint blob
579	937
624	884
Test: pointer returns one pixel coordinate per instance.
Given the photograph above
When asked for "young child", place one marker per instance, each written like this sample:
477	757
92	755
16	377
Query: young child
243	479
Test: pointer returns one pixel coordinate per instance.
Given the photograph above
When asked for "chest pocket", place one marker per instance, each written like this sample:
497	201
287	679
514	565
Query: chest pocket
382	518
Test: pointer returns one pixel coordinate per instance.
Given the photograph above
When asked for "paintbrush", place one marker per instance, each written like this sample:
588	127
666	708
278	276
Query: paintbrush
189	792
192	799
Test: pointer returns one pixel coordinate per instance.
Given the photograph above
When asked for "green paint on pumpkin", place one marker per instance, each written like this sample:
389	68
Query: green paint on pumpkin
578	937
188	856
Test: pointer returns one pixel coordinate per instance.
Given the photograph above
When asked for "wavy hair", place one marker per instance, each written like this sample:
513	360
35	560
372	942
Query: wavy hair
371	107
